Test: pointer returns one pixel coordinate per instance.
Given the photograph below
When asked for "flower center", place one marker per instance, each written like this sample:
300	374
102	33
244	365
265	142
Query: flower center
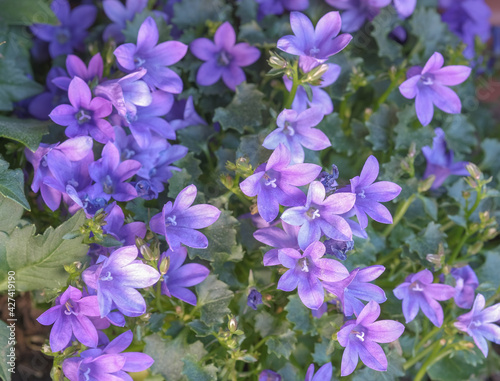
127	154
139	62
313	51
224	58
427	79
171	221
69	308
107	185
362	194
271	182
288	129
82	116
86	374
476	323
63	35
304	265
107	277
361	336
415	286
313	213
73	183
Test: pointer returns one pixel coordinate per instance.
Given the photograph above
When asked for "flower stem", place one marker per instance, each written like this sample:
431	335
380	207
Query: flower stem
399	214
419	356
295	86
432	359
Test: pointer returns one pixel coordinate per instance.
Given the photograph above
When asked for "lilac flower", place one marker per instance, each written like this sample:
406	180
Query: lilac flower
109	174
320	216
42	104
329	180
479	323
183	114
223	58
120	14
338	248
295	130
178	276
178	221
418	292
360	338
276	183
76	68
465	286
85	115
369	195
154	58
355	287
107	363
279	239
125	233
323	374
320	98
307	271
405	8
277	7
254	299
358	11
429	86
116	279
70	316
269	375
440	161
72	30
314	45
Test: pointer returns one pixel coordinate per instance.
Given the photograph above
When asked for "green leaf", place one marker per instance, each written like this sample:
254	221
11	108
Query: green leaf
427	241
213	300
454	368
298	314
265	323
379	125
26	12
38	260
15	85
26	131
194	371
394	370
193	13
383	24
10	214
491	149
488	272
244	111
251	147
406	133
430	206
323	352
12	184
460	134
282	345
6	347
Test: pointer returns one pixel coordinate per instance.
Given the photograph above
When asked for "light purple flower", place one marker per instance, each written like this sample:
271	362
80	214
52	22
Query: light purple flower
71	31
42	104
355	287
357	12
323	374
307	270
279	239
116	279
369	195
254	299
178	221
465	286
321	216
295	130
70	316
418	292
314	45
154	58
183	114
405	7
107	363
338	248
277	7
440	161
479	323
76	68
360	338
85	115
120	14
429	87
125	233
179	276
276	183
269	375
223	58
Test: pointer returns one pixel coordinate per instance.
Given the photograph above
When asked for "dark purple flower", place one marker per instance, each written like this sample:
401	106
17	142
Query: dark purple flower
321	216
269	375
418	292
329	180
254	299
338	248
223	58
154	58
278	7
183	114
355	288
116	279
42	104
70	316
307	270
479	323
85	115
76	68
323	374
125	233
440	161
314	45
179	276
276	183
178	221
429	87
107	363
120	14
360	338
356	12
296	130
465	286
72	30
279	239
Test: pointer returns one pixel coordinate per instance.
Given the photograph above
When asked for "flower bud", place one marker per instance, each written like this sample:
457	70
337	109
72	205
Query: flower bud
164	265
425	185
232	325
474	171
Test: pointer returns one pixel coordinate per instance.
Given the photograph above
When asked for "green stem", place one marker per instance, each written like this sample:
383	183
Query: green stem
399	214
158	297
389	256
295	86
457	249
427	337
419	356
433	358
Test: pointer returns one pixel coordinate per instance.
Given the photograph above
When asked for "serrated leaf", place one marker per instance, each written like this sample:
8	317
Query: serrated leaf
383	24
407	133
323	352
298	314
394	370
194	371
38	260
244	111
12	184
488	272
213	300
379	125
10	214
251	148
26	131
430	206
454	368
460	134
26	12
282	345
193	13
5	350
15	85
427	241
491	149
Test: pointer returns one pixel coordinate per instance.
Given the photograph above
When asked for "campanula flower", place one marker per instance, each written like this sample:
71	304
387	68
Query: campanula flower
360	338
42	104
429	87
278	7
418	292
77	68
125	233
356	12
183	114
269	375
465	286
479	323
120	14
338	248
276	182
323	374
254	299
223	58
279	239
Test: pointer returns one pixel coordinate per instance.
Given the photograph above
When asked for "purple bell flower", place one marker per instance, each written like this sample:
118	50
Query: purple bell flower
76	68
42	104
276	183
183	114
418	292
338	248
154	58
254	299
323	374
120	14
465	286
178	221
269	375
223	58
278	7
279	239
440	161
360	338
70	316
125	233
356	12
321	216
429	87
479	323
307	270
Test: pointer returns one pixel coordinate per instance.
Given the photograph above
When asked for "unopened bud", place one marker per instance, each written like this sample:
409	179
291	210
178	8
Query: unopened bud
164	265
146	252
232	325
314	76
425	185
473	170
413	149
276	61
